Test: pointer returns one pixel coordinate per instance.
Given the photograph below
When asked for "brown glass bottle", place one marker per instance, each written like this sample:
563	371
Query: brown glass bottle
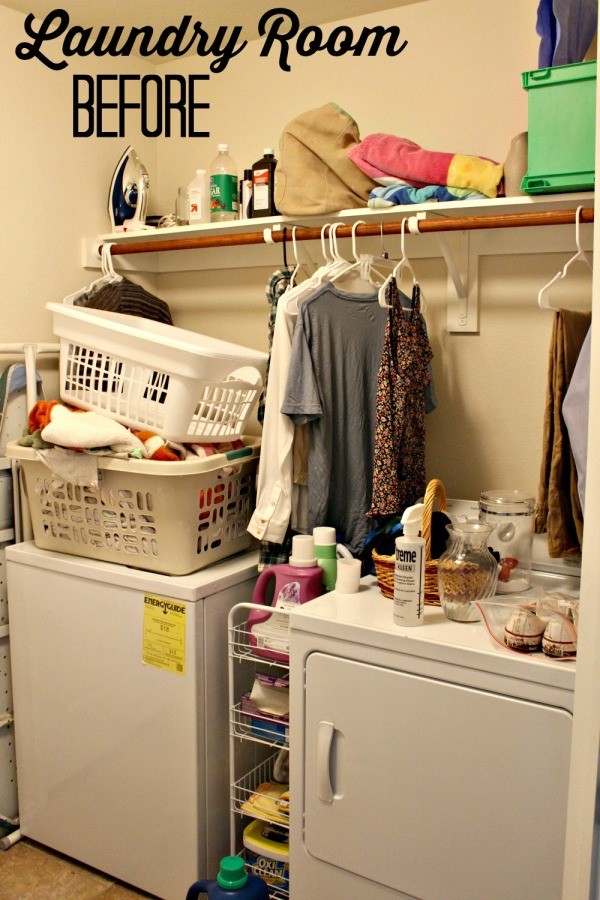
263	185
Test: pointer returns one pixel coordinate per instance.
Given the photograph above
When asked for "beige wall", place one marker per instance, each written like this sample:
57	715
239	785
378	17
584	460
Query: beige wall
54	187
456	87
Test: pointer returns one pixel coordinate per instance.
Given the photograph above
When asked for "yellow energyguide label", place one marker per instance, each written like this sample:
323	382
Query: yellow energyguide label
164	634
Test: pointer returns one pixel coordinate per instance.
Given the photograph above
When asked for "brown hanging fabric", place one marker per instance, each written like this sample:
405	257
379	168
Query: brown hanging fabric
399	460
558	509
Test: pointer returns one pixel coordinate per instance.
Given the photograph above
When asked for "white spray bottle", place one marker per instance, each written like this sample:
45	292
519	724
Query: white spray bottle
409	569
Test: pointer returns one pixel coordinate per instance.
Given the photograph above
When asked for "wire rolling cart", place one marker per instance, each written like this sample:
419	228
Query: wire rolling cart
254	740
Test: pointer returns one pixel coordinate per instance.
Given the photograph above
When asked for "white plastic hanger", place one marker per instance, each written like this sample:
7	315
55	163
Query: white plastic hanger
335	251
297	266
362	267
581	256
328	259
107	263
108	276
298	292
403	265
336	262
350	266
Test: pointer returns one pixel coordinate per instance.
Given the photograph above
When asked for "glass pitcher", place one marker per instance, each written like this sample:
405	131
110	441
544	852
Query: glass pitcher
467	571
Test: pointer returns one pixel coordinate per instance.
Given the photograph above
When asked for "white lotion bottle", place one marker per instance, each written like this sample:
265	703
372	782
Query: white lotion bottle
409	569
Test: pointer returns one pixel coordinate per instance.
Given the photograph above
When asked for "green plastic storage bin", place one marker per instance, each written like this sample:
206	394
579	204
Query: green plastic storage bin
562	127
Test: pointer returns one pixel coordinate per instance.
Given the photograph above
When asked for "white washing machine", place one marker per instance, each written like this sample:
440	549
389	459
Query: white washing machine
121	712
425	762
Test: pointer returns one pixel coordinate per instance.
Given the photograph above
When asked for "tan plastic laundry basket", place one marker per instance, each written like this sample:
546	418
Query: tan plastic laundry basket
168	517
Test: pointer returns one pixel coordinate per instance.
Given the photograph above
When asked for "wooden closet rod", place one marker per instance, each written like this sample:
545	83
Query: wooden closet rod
466	223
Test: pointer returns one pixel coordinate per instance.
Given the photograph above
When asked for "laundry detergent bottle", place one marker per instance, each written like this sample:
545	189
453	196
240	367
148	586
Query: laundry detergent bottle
295	582
232	881
328	551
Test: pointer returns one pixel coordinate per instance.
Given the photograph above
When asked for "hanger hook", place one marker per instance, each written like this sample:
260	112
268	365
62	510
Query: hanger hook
111	262
297	266
331	239
384	253
103	260
577	223
107	261
333	244
285	265
354	227
327	258
402	233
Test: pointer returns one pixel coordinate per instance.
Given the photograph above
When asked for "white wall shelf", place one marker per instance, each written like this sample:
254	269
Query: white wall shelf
461	249
156	236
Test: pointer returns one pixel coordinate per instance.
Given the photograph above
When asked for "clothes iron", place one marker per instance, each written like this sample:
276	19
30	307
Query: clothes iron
128	196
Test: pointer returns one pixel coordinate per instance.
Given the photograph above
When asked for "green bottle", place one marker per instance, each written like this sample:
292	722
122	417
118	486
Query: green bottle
326	551
223	187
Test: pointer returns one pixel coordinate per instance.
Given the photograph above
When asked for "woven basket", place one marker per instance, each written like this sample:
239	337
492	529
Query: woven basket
384	565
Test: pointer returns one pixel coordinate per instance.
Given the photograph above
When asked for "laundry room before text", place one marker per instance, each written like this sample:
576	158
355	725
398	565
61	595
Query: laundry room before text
280	27
167	107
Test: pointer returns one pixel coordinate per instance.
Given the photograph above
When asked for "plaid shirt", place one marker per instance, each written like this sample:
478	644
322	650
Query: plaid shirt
277	285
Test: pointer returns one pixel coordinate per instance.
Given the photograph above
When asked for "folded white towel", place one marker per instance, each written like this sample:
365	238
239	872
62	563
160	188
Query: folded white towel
84	430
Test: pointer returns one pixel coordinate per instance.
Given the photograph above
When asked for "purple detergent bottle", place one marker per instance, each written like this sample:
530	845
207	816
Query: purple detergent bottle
296	581
232	882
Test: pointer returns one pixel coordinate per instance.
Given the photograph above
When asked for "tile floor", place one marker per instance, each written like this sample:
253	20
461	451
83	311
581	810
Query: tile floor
29	871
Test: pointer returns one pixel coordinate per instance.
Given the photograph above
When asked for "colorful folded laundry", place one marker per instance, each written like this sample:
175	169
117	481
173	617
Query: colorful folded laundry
402	194
384	156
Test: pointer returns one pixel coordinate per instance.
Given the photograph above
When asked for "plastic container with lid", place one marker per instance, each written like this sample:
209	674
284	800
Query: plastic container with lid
510	513
562	128
295	582
327	552
267	851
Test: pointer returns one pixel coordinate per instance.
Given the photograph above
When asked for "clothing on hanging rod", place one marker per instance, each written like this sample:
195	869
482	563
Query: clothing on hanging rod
424	226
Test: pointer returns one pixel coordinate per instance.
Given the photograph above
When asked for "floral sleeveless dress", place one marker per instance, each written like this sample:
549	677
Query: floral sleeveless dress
399	452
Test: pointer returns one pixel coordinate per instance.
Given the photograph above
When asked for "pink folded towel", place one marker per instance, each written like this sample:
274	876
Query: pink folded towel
384	156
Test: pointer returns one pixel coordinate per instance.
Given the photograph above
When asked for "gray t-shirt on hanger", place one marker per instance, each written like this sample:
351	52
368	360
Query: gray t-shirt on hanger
332	383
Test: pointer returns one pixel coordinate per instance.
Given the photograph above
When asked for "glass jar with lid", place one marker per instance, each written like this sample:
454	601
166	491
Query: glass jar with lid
510	513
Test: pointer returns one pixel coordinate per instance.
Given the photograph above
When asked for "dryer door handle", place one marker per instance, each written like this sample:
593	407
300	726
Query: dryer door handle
324	741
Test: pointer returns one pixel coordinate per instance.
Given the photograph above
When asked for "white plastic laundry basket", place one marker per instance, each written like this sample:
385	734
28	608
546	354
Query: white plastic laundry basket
147	375
169	517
